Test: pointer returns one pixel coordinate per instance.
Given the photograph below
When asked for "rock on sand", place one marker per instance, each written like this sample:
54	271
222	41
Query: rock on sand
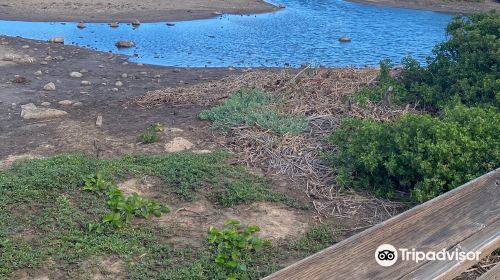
49	87
57	40
31	111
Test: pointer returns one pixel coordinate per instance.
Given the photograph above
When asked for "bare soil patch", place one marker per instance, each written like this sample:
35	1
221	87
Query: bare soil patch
276	221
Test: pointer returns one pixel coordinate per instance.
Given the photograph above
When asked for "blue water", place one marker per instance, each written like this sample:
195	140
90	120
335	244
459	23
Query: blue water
306	32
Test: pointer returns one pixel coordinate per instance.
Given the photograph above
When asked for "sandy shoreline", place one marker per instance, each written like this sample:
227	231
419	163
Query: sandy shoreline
177	10
436	5
126	10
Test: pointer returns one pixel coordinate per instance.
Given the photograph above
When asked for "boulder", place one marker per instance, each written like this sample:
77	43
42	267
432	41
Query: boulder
57	40
114	24
81	25
136	22
124	44
31	111
344	39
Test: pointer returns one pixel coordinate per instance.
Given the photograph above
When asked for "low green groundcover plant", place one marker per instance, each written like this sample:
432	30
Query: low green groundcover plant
232	245
45	213
417	154
124	209
253	107
463	69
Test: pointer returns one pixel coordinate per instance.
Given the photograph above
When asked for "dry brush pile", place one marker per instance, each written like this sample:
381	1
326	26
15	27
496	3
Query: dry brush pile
324	97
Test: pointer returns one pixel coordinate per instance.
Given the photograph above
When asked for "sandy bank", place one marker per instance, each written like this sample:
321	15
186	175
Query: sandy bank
126	10
464	7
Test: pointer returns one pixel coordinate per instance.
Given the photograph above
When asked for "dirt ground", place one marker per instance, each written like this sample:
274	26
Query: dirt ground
38	63
465	7
126	10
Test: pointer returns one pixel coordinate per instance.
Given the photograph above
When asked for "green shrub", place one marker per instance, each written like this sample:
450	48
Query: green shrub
232	245
464	69
253	107
417	154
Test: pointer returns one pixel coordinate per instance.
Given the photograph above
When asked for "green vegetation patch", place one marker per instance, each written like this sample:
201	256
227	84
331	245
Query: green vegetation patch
417	154
151	134
253	107
255	258
45	211
464	69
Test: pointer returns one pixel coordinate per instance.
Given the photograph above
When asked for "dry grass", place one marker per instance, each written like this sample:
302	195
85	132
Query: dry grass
482	267
324	96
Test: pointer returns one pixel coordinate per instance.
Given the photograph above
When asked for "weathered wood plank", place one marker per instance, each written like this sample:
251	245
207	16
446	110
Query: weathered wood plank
440	223
485	241
492	274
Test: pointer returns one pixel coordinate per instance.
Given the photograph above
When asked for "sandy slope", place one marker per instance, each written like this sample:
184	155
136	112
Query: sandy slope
465	7
125	10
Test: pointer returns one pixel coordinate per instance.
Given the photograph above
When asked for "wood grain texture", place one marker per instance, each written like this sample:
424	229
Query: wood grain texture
492	274
472	209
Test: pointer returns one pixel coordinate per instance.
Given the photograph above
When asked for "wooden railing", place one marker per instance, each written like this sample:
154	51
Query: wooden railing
465	219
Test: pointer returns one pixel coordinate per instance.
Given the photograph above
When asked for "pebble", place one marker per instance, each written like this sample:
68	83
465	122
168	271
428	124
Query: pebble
84	70
85	83
124	75
20	79
75	74
98	121
81	25
43	62
114	24
48	58
25	47
114	89
38	73
136	22
157	76
65	102
45	104
49	87
77	104
118	84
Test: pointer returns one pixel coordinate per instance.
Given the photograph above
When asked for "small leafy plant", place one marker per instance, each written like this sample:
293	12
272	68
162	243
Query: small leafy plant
124	210
151	134
253	107
233	245
96	183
